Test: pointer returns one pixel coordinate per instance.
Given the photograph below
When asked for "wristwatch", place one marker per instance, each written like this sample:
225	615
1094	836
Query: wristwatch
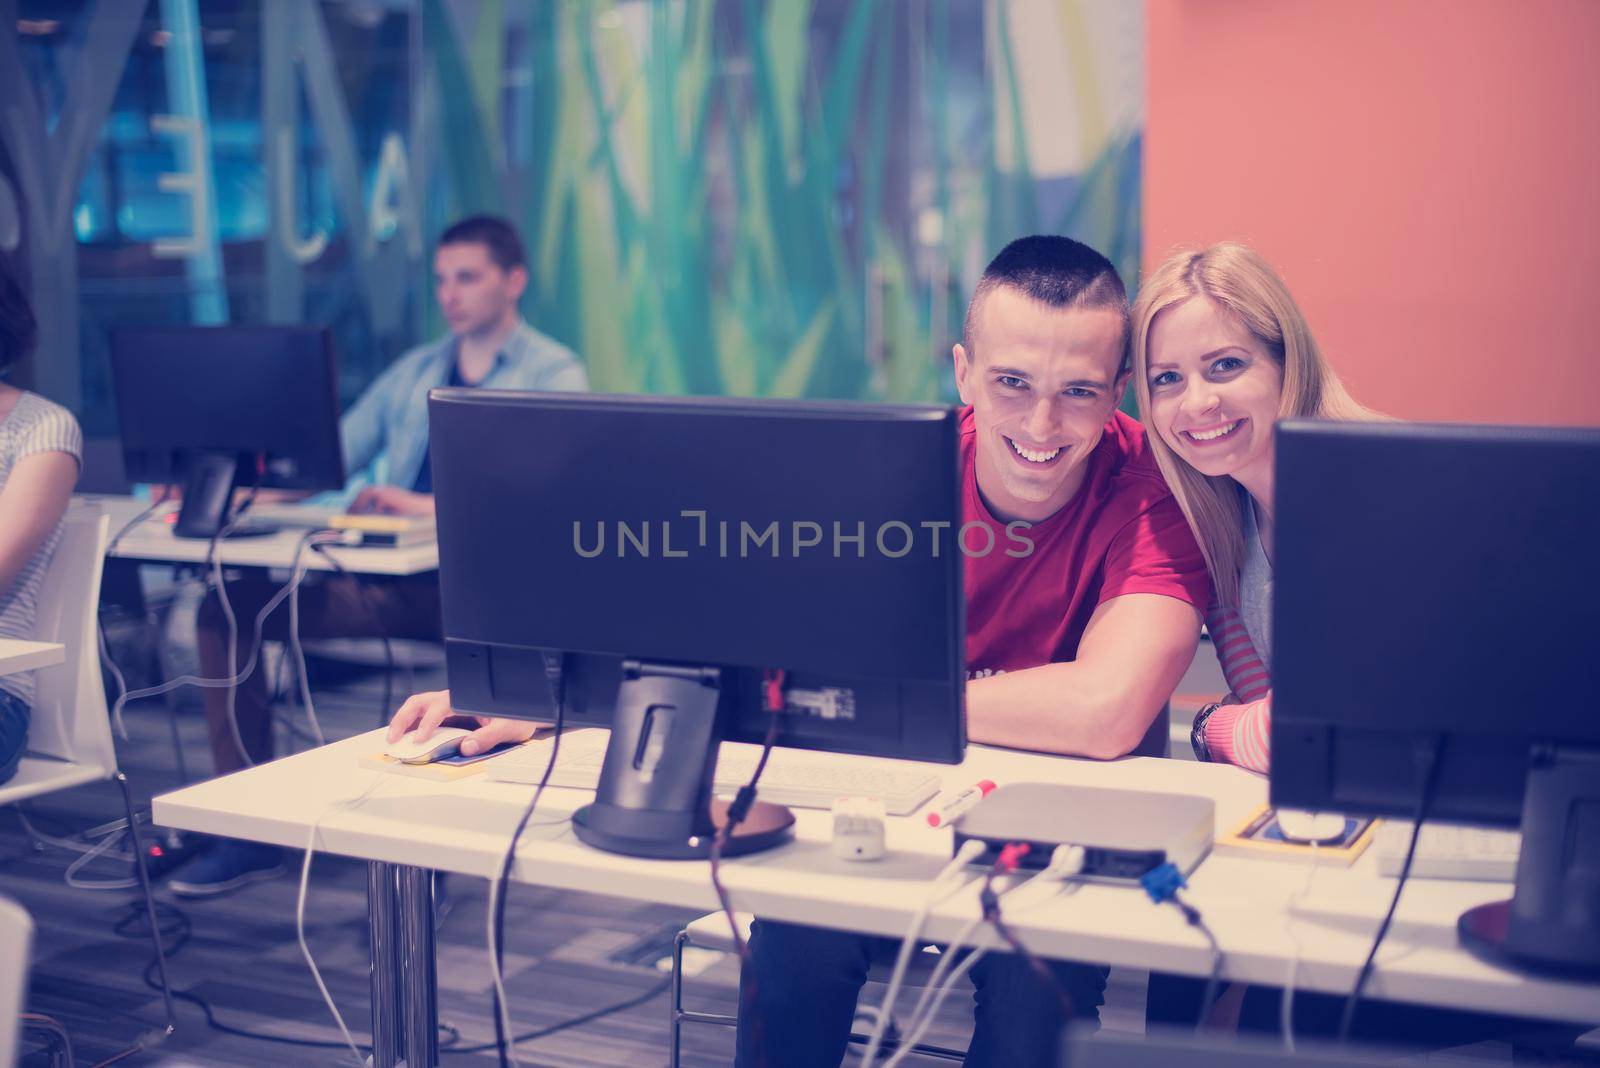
1197	735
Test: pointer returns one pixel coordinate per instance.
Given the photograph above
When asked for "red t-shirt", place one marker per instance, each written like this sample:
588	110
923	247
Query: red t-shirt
1121	533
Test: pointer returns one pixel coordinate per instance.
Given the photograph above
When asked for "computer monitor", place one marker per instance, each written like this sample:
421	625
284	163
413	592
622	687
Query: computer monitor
663	557
212	408
1436	645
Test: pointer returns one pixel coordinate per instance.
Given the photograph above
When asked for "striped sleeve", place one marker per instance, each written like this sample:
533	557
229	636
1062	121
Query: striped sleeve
1240	733
50	428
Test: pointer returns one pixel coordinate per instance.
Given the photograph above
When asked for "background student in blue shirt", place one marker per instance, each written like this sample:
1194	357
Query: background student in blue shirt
480	273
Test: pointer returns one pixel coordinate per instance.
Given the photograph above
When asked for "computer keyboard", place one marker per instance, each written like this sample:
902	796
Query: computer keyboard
792	777
1446	851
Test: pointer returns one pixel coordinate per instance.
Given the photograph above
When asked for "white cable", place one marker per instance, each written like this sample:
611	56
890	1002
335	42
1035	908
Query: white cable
941	888
499	979
233	649
494	948
72	843
87	858
100	631
300	910
197	680
1286	1006
1066	862
914	1036
300	656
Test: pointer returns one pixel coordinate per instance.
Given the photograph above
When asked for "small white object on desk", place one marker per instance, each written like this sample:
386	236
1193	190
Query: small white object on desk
858	828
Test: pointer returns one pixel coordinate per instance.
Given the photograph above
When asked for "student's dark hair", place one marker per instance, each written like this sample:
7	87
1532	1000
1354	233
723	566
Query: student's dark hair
494	233
18	328
1053	270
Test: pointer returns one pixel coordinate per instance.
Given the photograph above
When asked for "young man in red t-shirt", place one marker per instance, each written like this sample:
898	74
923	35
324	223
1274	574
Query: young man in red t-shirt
1072	648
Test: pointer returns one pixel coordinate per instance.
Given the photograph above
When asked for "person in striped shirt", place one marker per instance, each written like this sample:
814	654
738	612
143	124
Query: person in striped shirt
40	449
1221	352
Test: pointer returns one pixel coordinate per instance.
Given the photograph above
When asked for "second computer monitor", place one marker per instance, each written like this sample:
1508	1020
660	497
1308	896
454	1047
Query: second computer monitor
214	407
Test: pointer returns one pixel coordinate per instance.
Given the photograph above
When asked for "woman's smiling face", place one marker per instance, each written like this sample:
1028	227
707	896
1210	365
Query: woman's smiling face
1214	389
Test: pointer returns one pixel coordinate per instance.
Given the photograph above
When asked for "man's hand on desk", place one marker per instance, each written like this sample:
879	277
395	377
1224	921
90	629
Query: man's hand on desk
391	500
426	712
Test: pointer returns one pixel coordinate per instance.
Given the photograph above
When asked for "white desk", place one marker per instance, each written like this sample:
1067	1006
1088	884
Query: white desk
152	541
16	656
463	827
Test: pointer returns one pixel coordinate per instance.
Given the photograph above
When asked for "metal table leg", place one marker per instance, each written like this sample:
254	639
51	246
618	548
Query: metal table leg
387	1012
418	991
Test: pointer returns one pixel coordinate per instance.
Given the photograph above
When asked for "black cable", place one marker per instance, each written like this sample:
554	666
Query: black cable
377	625
181	930
989	900
738	809
566	1025
1214	980
1430	758
555	676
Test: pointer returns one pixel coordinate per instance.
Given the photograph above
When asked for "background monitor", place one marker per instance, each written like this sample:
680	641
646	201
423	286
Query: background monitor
674	553
215	407
1436	645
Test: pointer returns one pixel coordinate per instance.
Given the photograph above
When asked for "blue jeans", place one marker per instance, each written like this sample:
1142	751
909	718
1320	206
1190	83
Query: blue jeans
14	717
803	983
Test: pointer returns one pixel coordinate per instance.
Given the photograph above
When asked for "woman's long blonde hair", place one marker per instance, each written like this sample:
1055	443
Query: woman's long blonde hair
1234	277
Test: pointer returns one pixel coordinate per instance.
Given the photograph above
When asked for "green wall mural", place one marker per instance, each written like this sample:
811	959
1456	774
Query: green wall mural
784	198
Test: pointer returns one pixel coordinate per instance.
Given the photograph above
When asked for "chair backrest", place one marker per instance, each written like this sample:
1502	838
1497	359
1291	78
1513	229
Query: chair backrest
16	937
70	718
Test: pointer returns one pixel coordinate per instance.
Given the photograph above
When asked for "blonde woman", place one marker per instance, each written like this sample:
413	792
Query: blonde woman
1221	353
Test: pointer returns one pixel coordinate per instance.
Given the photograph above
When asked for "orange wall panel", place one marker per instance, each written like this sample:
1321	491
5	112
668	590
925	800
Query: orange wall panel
1425	174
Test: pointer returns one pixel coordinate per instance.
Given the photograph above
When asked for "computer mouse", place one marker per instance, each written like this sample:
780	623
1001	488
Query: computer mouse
1320	827
444	742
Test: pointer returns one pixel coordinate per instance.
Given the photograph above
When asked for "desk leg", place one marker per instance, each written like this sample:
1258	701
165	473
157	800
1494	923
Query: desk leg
419	991
384	924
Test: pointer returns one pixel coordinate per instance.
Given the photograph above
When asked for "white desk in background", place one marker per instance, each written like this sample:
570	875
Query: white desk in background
152	541
408	826
17	656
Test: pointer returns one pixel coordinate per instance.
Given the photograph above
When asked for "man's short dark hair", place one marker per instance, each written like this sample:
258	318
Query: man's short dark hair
18	328
492	232
1053	270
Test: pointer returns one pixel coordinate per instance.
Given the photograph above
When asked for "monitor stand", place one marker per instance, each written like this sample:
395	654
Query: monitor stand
654	796
208	485
1552	922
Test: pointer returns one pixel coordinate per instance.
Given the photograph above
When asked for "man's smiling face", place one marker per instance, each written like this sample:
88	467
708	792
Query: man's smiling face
1042	381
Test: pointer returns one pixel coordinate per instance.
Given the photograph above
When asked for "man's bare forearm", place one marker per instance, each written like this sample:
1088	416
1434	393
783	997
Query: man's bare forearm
1057	708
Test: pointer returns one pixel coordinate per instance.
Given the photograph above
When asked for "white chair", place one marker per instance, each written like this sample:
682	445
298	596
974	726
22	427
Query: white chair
16	936
69	738
711	932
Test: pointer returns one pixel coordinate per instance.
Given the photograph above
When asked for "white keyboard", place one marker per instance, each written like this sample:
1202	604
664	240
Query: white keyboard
1446	851
792	777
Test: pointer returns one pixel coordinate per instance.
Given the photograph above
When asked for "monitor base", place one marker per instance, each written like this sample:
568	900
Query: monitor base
766	827
1483	930
1552	922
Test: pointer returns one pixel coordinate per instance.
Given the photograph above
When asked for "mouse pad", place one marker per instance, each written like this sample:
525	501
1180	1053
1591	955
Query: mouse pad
1259	835
447	770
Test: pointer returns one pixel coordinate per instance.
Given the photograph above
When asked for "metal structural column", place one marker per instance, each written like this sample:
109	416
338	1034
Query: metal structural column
383	917
419	993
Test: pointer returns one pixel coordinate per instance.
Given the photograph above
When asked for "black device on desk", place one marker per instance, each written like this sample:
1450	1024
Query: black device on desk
1436	631
673	552
216	407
